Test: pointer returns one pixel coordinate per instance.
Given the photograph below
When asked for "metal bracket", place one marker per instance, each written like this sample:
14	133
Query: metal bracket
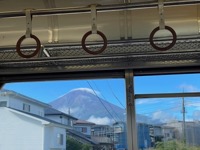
94	19
198	18
46	52
28	23
161	14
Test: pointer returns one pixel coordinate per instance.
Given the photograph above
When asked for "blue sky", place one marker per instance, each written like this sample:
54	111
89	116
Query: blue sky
51	90
113	90
168	108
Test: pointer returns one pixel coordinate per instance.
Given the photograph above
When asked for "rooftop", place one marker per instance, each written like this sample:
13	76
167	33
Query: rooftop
52	111
83	122
37	117
18	95
82	136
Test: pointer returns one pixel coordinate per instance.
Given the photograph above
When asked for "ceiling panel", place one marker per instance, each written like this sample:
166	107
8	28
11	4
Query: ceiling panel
127	31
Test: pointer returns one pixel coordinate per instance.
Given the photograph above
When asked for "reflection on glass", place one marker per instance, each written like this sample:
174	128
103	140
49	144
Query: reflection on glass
167	84
173	123
84	113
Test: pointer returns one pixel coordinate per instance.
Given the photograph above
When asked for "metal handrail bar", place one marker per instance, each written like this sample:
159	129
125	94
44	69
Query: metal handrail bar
167	95
100	8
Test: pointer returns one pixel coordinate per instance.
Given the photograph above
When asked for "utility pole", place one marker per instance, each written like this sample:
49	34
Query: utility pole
183	111
69	111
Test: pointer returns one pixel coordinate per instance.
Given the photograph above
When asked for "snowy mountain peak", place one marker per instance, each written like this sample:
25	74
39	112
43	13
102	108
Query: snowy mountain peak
81	91
87	90
84	104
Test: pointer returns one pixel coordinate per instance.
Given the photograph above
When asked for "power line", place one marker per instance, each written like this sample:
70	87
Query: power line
101	101
190	103
114	94
103	104
108	102
160	110
158	107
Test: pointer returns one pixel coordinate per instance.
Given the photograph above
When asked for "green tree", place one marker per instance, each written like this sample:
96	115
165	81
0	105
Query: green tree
73	144
86	147
174	145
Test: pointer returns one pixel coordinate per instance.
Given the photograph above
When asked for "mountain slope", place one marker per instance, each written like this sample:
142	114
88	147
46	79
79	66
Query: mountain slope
84	104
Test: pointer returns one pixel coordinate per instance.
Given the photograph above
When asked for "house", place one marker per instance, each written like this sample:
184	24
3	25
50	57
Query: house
120	135
104	135
24	127
168	133
192	131
82	138
60	117
143	134
83	127
156	134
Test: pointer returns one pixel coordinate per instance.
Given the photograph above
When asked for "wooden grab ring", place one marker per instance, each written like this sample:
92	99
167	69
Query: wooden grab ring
98	51
18	46
163	48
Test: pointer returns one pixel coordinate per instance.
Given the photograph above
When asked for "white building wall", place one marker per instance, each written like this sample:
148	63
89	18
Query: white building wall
63	132
78	128
4	98
51	138
57	119
47	137
64	120
16	103
157	131
19	132
168	134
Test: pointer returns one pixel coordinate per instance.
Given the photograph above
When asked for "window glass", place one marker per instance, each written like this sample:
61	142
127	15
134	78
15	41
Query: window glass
100	102
84	130
60	139
26	107
168	123
3	103
167	83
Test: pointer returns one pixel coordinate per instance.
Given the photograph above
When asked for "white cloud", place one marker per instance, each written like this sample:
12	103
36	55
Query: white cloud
155	101
194	104
196	115
147	101
188	88
163	116
102	121
94	92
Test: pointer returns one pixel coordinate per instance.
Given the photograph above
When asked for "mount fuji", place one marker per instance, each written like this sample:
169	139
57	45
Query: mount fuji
85	104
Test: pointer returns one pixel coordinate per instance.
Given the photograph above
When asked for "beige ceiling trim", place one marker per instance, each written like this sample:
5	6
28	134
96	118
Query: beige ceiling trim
53	25
198	18
128	20
122	25
129	24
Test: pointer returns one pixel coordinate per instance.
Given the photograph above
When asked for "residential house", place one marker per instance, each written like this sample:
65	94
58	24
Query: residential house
143	133
83	139
192	131
104	135
120	135
60	117
156	134
24	127
83	127
79	135
168	133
